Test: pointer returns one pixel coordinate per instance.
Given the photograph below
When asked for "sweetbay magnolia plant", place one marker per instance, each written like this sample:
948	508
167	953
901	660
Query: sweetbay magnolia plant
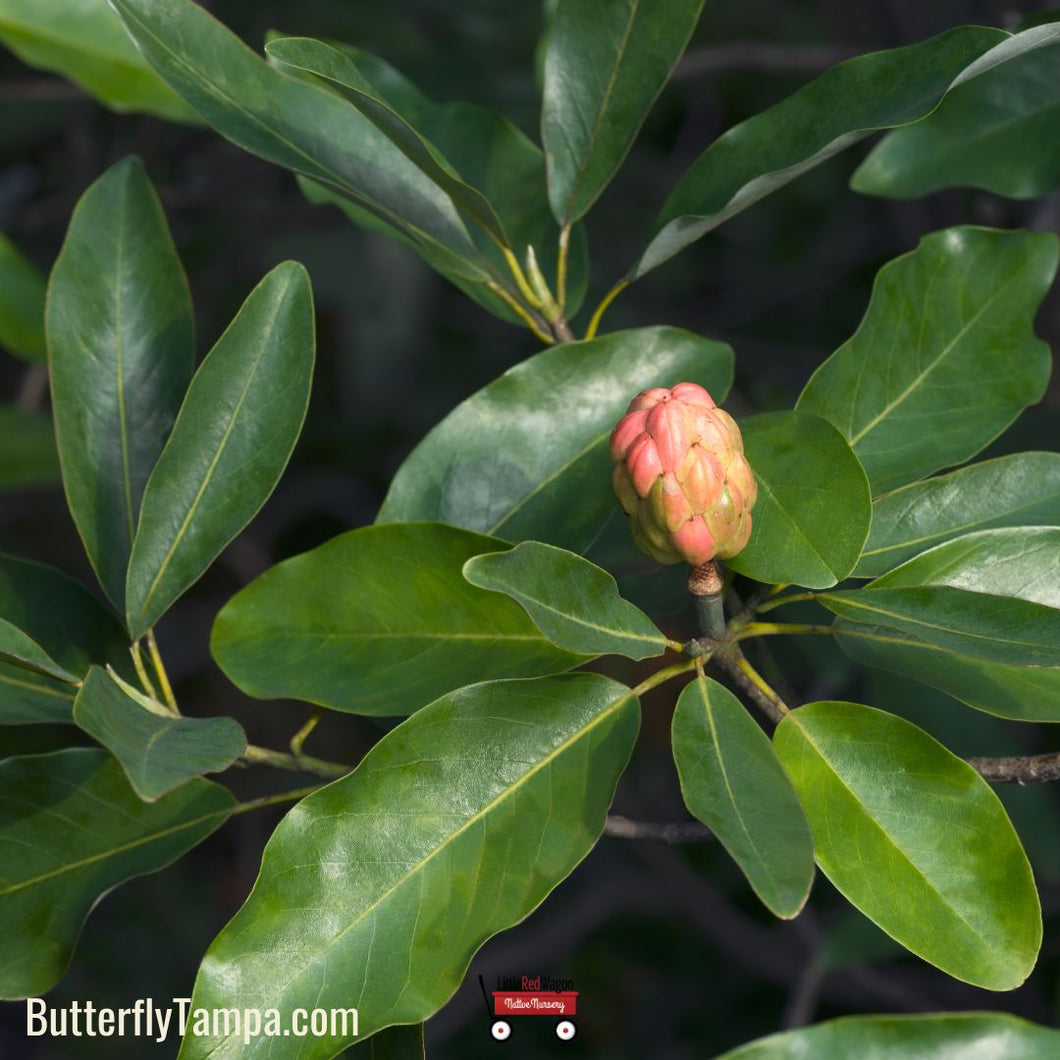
469	606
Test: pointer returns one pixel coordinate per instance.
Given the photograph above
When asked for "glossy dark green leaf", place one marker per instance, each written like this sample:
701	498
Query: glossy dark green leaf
995	130
490	154
233	437
813	510
573	602
1018	570
956	1036
915	838
339	68
378	621
157	750
945	358
606	61
71	829
835	110
994	628
69	623
20	649
85	41
526	458
21	299
732	780
120	349
298	125
1018	490
1023	693
27	449
379	888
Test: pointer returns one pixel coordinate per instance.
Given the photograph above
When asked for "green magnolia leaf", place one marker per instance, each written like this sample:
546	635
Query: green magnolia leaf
21	297
945	358
813	510
378	621
301	126
914	838
573	602
994	628
69	624
27	449
605	64
490	154
455	826
526	458
121	349
1018	490
995	129
323	60
158	751
71	829
839	108
22	650
233	437
956	1036
1004	575
733	782
85	41
1023	693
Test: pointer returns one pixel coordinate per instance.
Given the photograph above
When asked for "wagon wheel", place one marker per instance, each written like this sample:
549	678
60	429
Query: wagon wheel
500	1030
566	1030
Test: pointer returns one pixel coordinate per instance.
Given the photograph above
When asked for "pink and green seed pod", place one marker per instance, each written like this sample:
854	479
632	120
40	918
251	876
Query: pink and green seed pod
681	476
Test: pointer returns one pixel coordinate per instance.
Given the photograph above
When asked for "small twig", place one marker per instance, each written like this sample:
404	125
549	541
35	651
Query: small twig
561	267
141	670
774	629
276	800
263	756
733	662
523	315
1014	769
304	732
661	676
779	601
669	832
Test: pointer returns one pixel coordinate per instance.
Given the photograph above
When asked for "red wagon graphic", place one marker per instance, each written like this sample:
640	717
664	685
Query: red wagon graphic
560	1005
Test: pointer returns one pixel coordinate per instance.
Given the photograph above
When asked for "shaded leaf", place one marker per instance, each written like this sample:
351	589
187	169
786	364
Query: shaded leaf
85	41
71	829
526	458
120	349
378	621
158	751
455	826
573	602
298	125
233	437
914	838
957	1036
605	63
21	298
27	449
733	782
1018	490
995	130
19	648
838	108
813	510
69	623
945	358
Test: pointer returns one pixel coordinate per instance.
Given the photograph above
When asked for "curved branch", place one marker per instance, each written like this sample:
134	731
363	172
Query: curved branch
670	832
1014	769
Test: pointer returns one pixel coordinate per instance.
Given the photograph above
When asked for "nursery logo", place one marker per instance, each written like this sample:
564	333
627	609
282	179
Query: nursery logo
527	995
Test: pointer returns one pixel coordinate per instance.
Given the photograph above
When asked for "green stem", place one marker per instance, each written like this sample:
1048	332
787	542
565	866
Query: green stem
662	676
773	629
594	323
561	267
141	670
793	598
304	732
264	756
275	800
520	311
160	672
734	663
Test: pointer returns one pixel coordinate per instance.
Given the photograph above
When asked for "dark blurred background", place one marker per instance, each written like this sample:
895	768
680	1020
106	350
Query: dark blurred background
673	956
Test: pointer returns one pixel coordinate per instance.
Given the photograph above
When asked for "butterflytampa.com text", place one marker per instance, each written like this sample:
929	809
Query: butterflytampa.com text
146	1018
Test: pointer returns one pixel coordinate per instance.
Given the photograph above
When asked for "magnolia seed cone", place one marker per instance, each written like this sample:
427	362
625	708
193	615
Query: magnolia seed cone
681	476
